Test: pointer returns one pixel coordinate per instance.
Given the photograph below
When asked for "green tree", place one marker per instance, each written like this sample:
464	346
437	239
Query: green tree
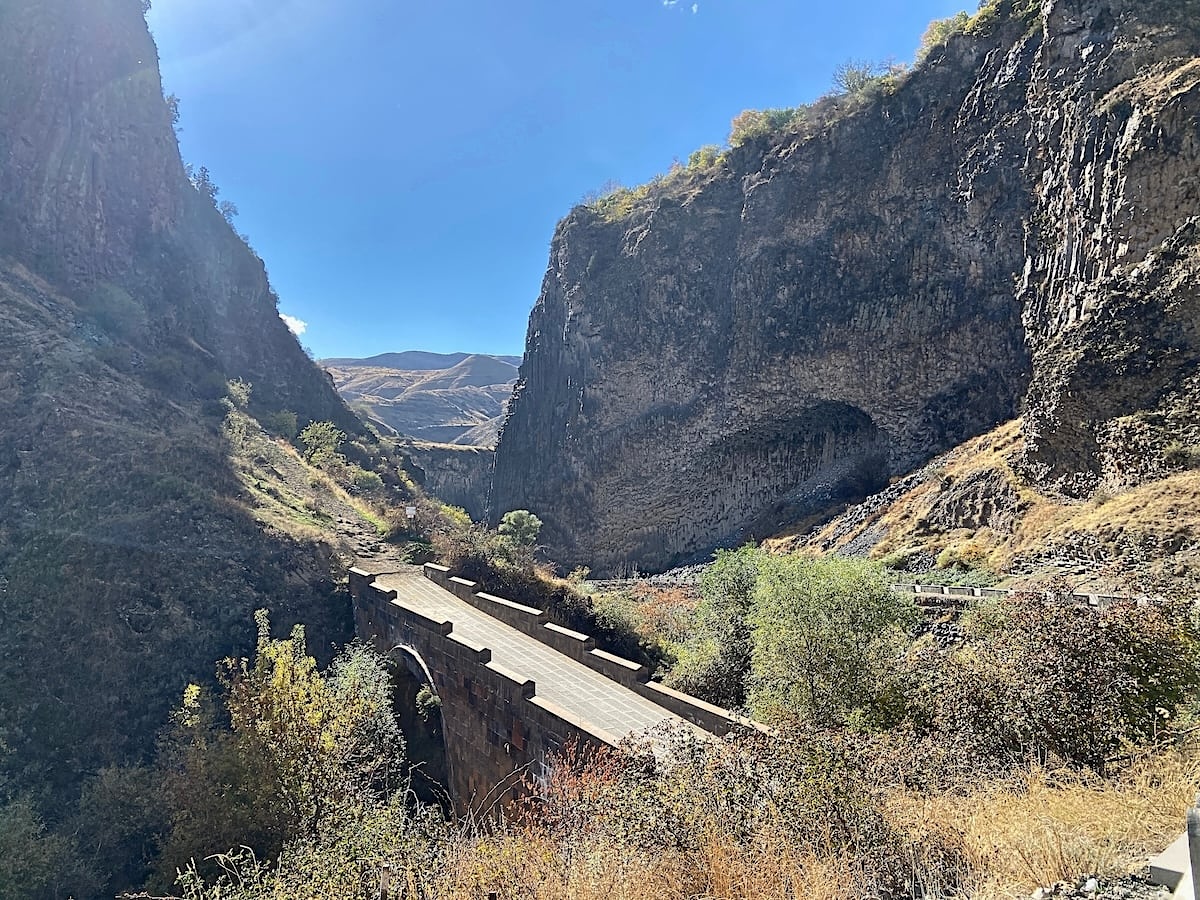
303	752
827	636
321	441
31	858
715	662
520	527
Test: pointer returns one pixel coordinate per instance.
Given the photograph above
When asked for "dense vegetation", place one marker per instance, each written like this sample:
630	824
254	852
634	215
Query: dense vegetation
1041	748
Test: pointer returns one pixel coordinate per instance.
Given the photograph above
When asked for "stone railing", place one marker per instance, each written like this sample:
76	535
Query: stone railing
634	676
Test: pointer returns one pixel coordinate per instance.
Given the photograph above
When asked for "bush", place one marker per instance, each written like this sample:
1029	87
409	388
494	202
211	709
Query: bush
1177	455
520	527
853	77
303	750
1045	675
715	663
238	392
704	158
751	124
827	636
964	557
321	441
282	424
364	481
939	32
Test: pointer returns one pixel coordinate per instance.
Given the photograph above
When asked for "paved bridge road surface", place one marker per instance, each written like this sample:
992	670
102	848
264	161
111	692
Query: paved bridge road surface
606	705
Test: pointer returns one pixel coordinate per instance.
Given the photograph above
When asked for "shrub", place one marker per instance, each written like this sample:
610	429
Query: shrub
900	560
964	557
853	77
303	750
321	441
827	635
1178	455
282	423
520	527
756	123
714	663
238	391
362	480
1046	675
704	158
939	32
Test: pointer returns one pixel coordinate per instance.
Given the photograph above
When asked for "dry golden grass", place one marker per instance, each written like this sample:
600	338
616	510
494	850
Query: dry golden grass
999	840
535	866
1146	522
1055	826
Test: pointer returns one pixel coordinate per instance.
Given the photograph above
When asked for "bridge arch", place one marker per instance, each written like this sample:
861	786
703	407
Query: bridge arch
424	731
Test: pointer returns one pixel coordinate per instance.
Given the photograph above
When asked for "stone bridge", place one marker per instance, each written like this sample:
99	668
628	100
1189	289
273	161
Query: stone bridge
515	687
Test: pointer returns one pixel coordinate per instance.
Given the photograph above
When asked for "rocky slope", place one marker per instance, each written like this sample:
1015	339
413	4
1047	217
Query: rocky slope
130	555
1008	227
454	398
970	517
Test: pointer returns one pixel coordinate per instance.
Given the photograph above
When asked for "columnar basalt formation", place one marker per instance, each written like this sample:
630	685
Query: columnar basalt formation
823	309
94	197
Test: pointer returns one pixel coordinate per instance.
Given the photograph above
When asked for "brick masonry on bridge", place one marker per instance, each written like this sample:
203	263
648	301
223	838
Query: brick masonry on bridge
515	688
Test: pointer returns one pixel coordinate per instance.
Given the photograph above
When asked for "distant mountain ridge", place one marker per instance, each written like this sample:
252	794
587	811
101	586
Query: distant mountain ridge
452	398
414	360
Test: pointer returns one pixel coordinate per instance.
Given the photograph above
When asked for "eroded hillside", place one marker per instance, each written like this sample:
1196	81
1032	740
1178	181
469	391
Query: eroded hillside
455	398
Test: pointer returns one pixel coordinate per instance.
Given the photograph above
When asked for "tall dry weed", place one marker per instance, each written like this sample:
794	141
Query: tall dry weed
1008	838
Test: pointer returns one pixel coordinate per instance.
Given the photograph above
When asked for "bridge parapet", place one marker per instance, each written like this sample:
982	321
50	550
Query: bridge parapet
497	731
956	593
536	623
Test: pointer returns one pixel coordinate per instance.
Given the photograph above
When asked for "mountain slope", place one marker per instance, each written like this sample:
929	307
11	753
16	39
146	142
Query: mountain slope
751	342
130	553
411	361
970	516
448	398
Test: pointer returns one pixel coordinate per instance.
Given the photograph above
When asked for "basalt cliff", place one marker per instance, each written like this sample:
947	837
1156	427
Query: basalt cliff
1011	228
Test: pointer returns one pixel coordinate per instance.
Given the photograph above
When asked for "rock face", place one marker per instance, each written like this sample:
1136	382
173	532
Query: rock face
455	398
458	475
94	198
824	309
126	304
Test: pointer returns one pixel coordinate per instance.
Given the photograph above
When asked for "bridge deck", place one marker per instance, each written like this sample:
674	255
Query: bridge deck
561	680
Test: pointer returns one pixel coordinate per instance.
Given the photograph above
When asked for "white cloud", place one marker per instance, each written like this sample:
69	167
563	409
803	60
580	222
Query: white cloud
695	8
296	326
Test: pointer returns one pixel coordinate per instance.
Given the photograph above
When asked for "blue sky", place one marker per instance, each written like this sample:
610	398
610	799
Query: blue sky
401	166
